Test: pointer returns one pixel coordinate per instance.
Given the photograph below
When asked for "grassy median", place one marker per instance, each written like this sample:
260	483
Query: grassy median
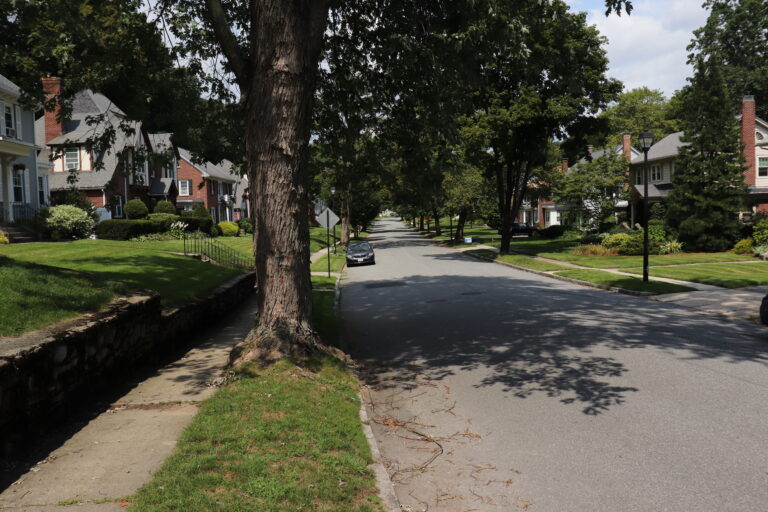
519	260
626	282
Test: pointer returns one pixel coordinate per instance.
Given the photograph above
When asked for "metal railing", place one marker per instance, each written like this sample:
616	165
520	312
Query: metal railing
19	212
200	245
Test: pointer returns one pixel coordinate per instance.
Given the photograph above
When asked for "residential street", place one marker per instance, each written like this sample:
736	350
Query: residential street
494	389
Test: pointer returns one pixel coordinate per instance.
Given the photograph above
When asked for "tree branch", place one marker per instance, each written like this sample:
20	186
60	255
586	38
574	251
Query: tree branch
226	38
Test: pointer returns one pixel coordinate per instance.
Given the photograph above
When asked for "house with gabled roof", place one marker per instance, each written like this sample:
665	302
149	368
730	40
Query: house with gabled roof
108	176
662	156
206	184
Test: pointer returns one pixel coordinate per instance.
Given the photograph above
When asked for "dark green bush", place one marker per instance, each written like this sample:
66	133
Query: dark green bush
203	224
552	231
136	209
215	231
165	207
197	211
246	225
119	229
165	218
591	239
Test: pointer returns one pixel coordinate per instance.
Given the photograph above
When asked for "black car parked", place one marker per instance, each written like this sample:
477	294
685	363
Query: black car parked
521	228
360	253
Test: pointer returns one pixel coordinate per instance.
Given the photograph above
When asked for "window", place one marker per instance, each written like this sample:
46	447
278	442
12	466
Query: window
117	206
9	116
71	158
41	186
185	187
638	176
169	171
655	173
18	185
214	214
762	166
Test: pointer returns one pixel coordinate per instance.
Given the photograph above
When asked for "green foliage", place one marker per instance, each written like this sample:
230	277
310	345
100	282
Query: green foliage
734	36
197	211
658	211
761	250
215	231
592	189
165	207
136	209
708	181
552	231
616	240
744	246
670	247
593	249
204	224
246	225
229	228
67	221
77	198
639	110
4	239
121	229
760	232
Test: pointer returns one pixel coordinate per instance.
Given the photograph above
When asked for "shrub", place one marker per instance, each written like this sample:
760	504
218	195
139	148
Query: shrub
136	209
67	221
658	211
76	198
761	250
166	219
215	231
744	246
552	231
615	240
657	230
197	211
628	244
119	229
591	239
670	247
229	228
760	232
4	239
165	207
246	225
594	250
204	224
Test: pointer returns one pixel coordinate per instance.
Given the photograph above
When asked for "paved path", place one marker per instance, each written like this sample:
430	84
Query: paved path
117	451
493	389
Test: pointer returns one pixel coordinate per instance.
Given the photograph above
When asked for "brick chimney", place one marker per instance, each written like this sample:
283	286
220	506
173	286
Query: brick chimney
748	138
626	147
54	125
564	164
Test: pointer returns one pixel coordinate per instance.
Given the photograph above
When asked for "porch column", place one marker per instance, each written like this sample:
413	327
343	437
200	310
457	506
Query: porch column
6	180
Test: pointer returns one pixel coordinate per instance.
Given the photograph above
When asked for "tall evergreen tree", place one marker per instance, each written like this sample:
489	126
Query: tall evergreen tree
708	180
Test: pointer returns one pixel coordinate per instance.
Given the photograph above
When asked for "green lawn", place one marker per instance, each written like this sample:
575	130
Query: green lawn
560	250
519	260
625	282
176	278
727	275
33	296
278	439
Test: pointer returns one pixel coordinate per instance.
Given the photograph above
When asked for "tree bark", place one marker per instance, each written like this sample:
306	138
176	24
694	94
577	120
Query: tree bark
346	216
286	41
438	229
458	237
421	223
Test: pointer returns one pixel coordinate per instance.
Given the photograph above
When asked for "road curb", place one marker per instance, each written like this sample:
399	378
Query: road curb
612	289
383	481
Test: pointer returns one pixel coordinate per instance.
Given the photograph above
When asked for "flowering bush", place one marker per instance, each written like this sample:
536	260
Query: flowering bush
67	221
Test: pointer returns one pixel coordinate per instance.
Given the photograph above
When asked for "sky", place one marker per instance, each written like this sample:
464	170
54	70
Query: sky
647	48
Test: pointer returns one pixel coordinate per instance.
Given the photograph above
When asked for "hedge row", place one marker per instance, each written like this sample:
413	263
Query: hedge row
119	229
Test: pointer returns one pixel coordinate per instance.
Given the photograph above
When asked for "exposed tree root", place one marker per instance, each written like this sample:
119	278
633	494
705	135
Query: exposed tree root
265	346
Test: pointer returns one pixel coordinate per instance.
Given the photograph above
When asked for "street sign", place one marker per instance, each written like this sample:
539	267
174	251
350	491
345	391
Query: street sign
327	218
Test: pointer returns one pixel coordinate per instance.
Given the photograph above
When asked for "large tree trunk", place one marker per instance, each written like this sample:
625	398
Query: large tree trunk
287	37
346	216
438	229
458	236
421	223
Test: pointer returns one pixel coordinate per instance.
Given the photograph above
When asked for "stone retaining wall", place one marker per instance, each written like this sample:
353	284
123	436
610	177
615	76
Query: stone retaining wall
44	373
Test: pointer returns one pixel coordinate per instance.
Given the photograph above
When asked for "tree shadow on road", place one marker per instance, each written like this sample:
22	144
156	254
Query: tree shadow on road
527	334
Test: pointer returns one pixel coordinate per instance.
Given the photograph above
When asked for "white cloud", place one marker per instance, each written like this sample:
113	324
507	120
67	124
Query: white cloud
648	48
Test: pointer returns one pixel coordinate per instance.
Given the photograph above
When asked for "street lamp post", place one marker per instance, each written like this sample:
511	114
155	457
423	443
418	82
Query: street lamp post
646	141
327	232
333	193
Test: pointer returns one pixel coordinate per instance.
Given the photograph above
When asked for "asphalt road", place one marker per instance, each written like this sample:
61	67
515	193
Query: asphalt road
494	389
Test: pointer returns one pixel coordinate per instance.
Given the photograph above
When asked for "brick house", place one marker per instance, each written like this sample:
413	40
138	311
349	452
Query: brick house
206	184
131	168
662	155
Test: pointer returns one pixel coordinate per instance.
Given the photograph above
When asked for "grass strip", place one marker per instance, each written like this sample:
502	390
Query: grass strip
626	282
176	278
33	296
279	439
727	275
519	260
337	263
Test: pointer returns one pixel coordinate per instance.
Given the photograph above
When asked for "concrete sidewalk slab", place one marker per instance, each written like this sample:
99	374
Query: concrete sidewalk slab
118	451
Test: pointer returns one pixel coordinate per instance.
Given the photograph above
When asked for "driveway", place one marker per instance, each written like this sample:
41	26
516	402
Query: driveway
495	389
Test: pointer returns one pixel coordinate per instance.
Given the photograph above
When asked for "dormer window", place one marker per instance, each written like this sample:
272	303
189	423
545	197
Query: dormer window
71	158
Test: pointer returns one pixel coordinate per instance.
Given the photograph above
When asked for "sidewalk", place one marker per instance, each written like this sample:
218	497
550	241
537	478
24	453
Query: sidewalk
119	450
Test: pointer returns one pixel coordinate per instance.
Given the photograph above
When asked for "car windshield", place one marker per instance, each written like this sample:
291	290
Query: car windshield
359	246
